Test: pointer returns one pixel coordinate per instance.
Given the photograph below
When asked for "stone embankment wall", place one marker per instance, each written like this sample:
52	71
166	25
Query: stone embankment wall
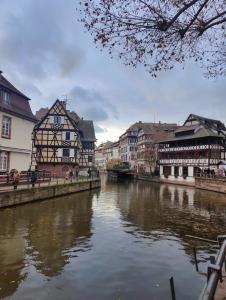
211	184
11	198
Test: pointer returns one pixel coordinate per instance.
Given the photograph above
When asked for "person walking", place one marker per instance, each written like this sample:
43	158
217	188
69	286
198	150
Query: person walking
34	177
16	179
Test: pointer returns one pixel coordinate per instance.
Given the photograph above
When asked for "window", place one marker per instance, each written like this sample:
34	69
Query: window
3	161
6	127
5	97
68	136
90	158
66	152
57	120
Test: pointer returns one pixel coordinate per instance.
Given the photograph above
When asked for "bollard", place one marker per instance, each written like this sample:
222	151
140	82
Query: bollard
172	289
196	262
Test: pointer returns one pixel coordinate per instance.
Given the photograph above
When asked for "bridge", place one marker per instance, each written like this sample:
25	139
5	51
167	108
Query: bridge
120	173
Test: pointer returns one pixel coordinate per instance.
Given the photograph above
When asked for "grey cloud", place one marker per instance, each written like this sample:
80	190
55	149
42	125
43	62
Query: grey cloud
99	129
35	41
91	104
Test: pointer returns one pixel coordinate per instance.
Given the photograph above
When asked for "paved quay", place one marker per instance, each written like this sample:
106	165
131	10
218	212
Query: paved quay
54	181
43	191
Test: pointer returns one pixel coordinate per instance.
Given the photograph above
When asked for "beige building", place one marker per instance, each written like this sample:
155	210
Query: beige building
17	122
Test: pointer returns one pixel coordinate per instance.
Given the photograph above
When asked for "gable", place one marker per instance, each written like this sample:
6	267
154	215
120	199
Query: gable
57	118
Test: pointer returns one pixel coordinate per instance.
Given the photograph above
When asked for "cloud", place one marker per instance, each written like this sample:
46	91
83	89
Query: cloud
99	129
46	53
91	104
35	40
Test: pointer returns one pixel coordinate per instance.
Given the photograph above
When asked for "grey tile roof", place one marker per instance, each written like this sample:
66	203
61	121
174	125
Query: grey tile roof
87	130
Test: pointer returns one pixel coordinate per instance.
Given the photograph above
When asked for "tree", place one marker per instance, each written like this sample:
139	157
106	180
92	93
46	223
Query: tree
160	33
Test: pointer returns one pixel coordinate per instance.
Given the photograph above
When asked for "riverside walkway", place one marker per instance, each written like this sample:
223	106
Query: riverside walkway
54	181
26	193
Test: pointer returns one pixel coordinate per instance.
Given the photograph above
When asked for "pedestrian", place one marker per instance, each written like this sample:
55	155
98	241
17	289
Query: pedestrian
77	173
16	179
71	174
34	177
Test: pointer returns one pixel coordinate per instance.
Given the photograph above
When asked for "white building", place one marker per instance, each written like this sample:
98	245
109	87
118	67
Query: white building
17	122
197	147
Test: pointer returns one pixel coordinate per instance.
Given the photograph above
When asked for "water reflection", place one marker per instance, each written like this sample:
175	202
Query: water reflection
45	235
123	242
173	209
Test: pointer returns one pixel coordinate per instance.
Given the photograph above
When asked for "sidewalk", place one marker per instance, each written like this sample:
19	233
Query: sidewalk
54	181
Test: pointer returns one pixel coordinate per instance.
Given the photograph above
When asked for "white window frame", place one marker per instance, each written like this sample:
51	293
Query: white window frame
6	98
6	126
57	119
4	158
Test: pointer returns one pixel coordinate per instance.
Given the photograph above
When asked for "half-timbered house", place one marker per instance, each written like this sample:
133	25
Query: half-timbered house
198	145
62	141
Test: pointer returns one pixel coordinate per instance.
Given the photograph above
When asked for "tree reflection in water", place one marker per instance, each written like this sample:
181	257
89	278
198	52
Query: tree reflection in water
123	242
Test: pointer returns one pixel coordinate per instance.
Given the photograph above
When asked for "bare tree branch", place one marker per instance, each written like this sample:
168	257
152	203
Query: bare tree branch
160	33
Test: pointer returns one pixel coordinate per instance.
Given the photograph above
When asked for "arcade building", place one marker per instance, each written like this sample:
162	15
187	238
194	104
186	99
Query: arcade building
196	147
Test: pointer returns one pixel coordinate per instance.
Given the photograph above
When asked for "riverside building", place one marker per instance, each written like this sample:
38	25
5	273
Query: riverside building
63	141
198	145
17	122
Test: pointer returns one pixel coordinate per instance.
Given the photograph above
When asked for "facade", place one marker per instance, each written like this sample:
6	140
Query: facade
199	145
103	154
62	141
137	144
147	148
127	144
17	122
113	157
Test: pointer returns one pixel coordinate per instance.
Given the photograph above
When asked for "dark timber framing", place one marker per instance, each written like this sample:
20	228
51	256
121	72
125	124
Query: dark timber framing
60	139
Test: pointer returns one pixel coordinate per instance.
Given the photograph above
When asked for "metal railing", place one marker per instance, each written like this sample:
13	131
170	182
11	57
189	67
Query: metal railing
214	271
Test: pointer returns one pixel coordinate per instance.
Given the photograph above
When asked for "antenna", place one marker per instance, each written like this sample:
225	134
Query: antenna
66	100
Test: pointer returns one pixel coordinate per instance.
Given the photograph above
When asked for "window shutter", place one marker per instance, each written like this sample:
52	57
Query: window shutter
72	152
63	135
59	152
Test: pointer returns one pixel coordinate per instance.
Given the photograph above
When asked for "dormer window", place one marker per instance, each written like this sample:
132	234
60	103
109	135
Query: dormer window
6	97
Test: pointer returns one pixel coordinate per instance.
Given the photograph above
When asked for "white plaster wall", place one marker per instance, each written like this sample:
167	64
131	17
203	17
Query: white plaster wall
172	170
21	131
180	171
191	171
19	161
161	170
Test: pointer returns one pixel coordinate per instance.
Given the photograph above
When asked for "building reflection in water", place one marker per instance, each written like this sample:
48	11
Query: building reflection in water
43	234
159	210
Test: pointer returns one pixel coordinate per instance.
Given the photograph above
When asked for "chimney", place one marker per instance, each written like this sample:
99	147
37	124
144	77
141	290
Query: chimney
1	74
64	103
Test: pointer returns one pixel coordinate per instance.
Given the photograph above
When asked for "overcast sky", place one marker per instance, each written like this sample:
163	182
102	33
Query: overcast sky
45	53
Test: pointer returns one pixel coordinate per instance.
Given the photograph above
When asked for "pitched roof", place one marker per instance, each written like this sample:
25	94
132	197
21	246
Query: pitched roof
87	130
204	128
85	127
147	127
206	120
21	110
5	83
40	114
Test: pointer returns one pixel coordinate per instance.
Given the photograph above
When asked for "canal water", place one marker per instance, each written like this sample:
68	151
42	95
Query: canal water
121	242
